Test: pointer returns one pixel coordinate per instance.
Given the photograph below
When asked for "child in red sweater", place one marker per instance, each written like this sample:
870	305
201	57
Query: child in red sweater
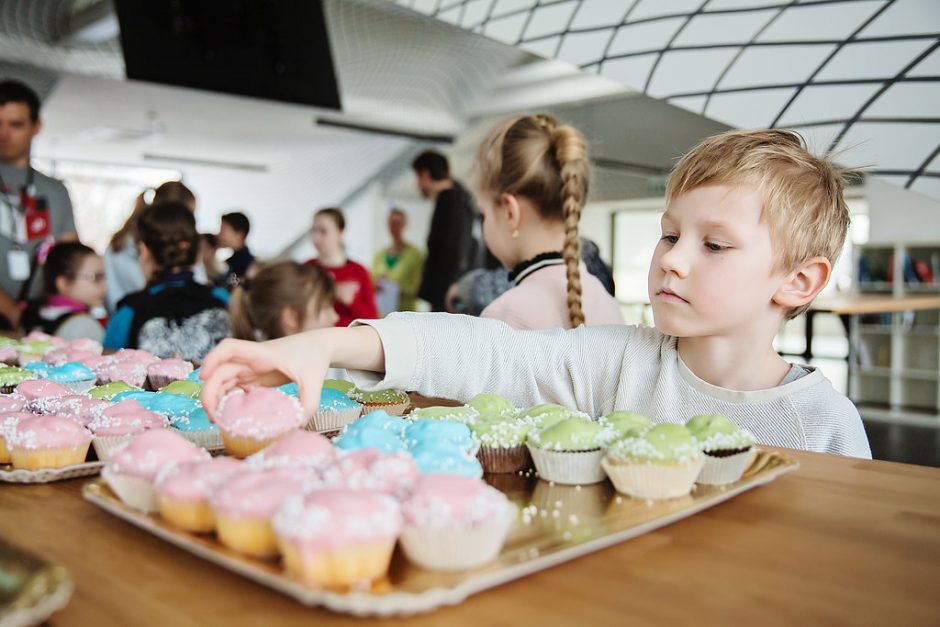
355	297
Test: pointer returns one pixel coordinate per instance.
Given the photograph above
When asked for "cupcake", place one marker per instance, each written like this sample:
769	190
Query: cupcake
464	413
627	424
28	351
53	405
297	449
250	421
374	430
502	444
119	423
61	356
434	458
8	422
392	402
569	451
660	464
9	403
548	414
492	405
48	442
338	538
244	503
33	389
73	375
132	468
454	523
369	469
173	406
291	389
108	391
8	354
183	491
198	429
339	385
379	420
86	345
165	371
11	376
189	389
335	411
446	432
728	449
82	409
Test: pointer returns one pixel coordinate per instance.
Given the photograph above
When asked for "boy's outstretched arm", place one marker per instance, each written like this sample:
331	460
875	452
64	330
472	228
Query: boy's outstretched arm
303	358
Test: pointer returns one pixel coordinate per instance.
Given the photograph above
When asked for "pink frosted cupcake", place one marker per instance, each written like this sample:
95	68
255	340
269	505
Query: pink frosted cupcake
60	356
244	504
40	389
130	372
9	403
165	371
250	421
369	469
133	467
46	405
454	522
8	422
8	355
48	442
337	538
294	450
84	410
87	345
119	423
183	491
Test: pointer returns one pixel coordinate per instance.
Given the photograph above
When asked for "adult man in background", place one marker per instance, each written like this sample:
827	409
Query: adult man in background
35	209
452	247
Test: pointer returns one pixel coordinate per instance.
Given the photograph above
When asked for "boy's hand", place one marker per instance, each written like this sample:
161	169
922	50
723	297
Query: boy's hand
238	363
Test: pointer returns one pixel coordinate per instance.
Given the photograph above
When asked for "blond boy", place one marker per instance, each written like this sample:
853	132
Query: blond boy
753	226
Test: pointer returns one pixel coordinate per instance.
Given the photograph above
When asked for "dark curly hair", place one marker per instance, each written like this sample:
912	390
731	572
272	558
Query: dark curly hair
168	230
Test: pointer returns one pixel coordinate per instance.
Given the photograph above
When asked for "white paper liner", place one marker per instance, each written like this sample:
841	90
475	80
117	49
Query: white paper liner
80	387
210	439
136	493
568	467
455	547
392	410
648	480
326	421
724	470
105	445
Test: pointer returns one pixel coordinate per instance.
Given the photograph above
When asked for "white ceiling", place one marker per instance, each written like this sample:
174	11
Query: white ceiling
856	77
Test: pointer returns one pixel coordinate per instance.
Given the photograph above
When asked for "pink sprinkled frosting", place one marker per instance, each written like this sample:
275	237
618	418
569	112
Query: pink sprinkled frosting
445	500
48	432
150	452
327	520
126	418
192	481
296	449
257	494
260	413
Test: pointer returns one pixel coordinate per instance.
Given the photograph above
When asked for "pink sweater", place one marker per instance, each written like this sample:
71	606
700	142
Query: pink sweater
540	302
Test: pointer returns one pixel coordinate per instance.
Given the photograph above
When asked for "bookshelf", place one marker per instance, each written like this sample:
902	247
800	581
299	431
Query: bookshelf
895	369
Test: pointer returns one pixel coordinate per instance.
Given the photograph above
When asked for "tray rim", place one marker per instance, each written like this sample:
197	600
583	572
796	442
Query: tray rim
49	475
407	603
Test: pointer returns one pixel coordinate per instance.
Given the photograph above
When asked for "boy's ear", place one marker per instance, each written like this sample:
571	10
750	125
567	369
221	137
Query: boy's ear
803	284
289	320
510	204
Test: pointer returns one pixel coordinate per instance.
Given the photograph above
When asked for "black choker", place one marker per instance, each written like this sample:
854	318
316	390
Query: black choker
526	268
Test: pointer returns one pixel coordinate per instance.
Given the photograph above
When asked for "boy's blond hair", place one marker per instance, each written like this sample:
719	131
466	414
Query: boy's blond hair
803	201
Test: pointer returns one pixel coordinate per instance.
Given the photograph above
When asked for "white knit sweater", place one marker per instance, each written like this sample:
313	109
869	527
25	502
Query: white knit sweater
599	370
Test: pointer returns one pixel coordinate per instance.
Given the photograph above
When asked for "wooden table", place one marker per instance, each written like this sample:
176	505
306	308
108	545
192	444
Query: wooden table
840	541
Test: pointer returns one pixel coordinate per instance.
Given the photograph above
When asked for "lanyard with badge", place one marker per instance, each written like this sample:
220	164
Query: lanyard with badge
23	203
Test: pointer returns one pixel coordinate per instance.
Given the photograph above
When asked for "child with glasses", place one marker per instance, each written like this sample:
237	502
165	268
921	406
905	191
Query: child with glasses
74	284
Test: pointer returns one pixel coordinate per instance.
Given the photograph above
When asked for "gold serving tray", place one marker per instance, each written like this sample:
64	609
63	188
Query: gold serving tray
8	474
556	523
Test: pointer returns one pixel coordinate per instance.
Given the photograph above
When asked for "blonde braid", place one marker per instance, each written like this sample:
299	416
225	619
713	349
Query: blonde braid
571	154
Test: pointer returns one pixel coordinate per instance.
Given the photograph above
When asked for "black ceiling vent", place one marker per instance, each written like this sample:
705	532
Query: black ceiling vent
259	48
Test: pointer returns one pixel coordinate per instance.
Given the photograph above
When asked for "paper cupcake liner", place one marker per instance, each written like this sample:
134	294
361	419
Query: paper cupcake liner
568	467
242	447
648	480
8	389
210	439
723	470
106	445
338	568
455	547
136	493
80	387
326	421
392	409
502	460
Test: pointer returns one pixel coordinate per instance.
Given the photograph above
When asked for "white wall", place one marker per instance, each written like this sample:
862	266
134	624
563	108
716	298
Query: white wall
900	215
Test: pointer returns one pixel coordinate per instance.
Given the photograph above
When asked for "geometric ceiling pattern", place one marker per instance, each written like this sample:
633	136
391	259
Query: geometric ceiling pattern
858	78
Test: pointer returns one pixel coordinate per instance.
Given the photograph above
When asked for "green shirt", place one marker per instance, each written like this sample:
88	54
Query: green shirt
405	270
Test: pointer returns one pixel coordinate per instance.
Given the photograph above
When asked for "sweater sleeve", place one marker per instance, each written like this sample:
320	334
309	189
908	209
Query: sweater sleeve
458	357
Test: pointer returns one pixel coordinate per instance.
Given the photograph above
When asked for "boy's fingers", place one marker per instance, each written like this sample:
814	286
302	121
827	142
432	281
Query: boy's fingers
228	350
309	397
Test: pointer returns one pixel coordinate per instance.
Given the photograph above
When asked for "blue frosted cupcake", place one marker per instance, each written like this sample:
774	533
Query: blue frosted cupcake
196	427
336	410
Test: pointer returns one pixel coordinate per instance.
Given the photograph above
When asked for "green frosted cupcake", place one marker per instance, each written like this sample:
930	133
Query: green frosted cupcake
627	424
492	405
392	402
108	391
728	448
338	384
569	451
543	416
189	389
464	414
11	376
32	350
662	463
502	444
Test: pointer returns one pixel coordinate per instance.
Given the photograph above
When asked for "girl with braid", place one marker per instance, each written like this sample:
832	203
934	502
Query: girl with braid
531	179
